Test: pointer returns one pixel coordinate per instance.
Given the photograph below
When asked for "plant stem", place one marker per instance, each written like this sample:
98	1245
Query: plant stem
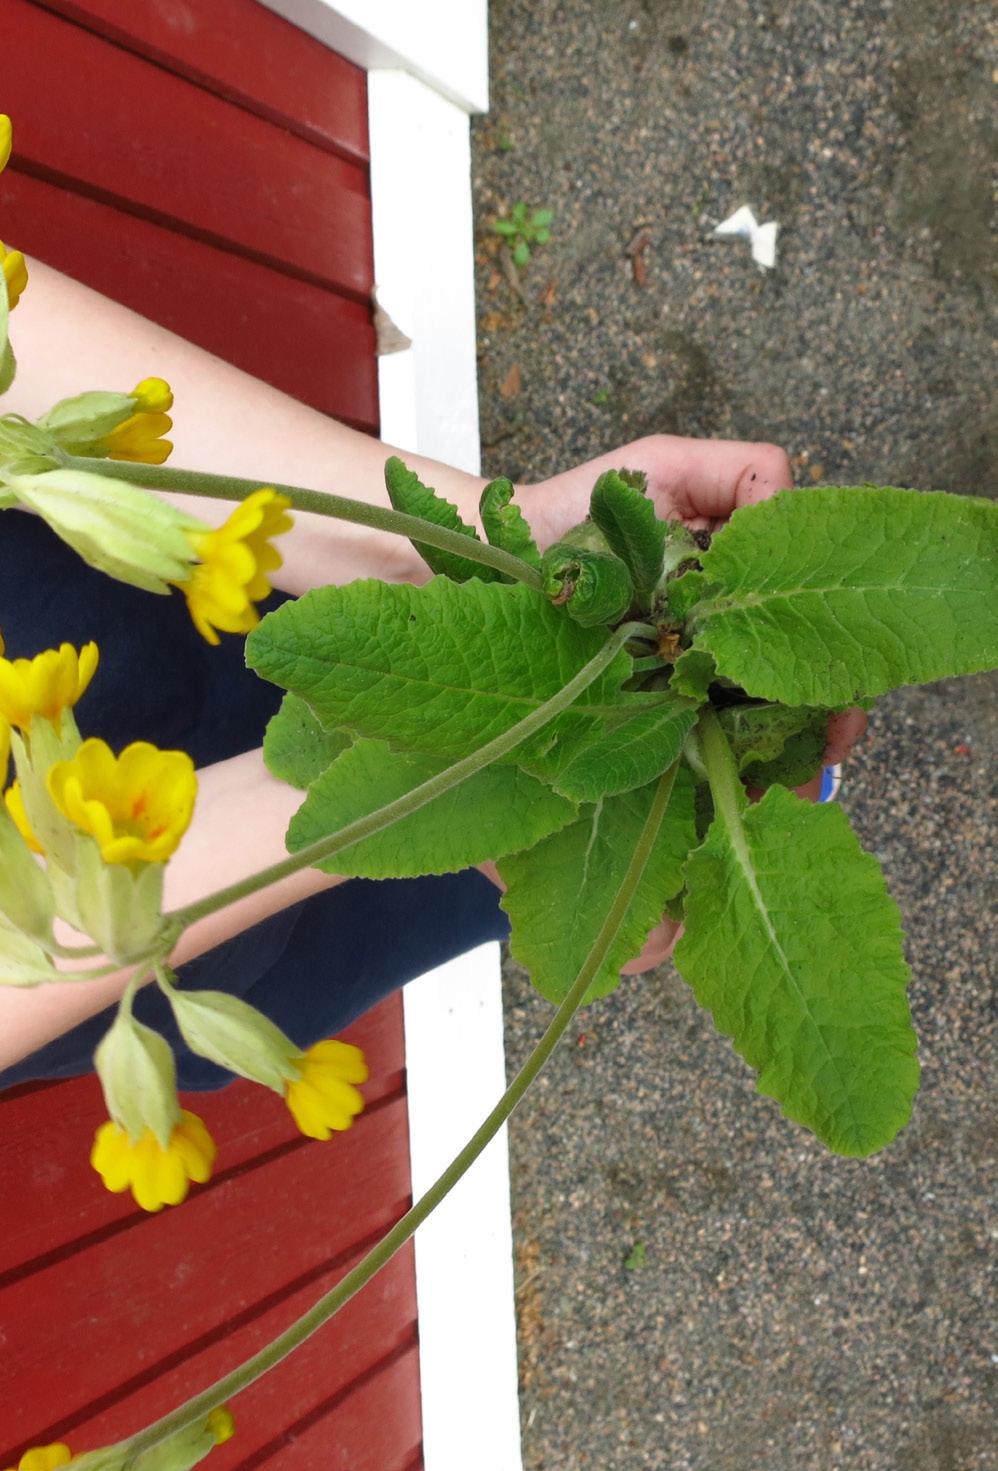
201	1405
363	827
722	771
321	503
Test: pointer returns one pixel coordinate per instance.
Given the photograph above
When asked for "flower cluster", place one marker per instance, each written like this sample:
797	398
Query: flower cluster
105	826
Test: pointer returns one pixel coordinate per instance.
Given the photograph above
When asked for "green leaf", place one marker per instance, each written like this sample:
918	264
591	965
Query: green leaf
693	674
834	595
296	747
558	893
441	668
521	253
775	743
794	945
408	493
627	519
505	524
497	810
627	749
542	217
504	227
683	593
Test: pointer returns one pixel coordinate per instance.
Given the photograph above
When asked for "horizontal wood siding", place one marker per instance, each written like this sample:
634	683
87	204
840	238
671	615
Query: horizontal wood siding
212	45
259	234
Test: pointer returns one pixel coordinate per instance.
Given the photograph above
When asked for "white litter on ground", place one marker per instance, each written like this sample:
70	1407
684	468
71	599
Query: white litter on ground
743	225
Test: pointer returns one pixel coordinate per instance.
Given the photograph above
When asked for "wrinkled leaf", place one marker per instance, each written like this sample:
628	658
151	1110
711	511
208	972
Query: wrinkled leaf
627	749
834	595
627	519
408	493
296	747
497	810
775	743
795	946
504	522
559	892
441	668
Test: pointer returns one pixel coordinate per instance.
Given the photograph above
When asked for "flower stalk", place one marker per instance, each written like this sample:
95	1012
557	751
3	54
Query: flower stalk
330	1303
321	503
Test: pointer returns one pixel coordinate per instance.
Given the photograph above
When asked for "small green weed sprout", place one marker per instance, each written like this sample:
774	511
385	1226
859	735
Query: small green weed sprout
522	228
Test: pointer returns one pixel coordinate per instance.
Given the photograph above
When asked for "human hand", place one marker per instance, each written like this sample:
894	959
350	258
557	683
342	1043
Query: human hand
698	482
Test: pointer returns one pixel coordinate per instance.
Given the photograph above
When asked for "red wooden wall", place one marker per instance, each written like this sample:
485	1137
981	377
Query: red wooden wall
206	164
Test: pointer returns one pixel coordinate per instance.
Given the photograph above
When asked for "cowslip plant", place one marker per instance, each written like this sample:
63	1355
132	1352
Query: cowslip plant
734	654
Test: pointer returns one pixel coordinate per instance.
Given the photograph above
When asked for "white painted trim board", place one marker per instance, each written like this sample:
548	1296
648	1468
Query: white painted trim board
444	42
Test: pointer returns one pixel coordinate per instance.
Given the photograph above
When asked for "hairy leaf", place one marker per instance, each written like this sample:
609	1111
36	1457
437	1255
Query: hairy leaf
626	749
794	945
834	595
627	519
559	892
440	669
693	674
775	743
408	493
498	810
505	524
296	747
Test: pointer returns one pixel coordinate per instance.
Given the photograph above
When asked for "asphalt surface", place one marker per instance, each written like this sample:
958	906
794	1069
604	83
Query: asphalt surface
794	1311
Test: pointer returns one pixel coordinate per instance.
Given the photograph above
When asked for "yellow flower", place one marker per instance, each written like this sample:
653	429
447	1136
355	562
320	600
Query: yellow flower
156	1176
235	560
41	1457
139	438
323	1097
15	273
221	1424
5	136
45	685
15	806
4	749
153	396
137	805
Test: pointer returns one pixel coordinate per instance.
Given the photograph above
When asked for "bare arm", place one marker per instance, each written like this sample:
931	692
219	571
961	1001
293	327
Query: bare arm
69	338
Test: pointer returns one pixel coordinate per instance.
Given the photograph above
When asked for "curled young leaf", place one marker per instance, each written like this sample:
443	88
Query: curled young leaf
593	587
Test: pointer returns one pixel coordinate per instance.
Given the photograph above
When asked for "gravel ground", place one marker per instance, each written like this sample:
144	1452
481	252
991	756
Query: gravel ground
795	1312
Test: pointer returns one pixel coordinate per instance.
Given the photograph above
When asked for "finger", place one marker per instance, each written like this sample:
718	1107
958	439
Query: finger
811	790
703	480
658	947
844	730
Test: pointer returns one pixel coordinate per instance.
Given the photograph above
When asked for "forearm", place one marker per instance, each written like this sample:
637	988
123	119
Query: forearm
69	338
240	819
